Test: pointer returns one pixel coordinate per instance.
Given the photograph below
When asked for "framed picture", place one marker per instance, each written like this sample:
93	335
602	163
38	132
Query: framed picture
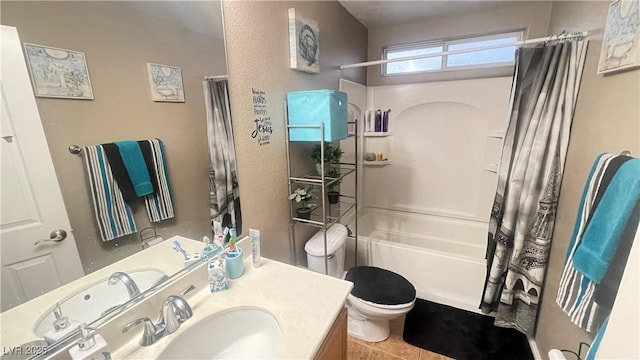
165	83
58	73
304	43
621	42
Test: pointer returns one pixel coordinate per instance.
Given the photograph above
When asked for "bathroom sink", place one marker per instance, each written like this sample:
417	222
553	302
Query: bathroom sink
240	333
89	303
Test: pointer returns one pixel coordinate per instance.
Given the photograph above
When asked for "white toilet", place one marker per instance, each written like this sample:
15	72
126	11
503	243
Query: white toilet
377	296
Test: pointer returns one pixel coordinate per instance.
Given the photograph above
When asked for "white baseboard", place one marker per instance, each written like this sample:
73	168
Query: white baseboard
534	349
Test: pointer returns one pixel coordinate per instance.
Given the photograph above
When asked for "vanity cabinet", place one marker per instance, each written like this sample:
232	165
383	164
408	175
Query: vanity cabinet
335	344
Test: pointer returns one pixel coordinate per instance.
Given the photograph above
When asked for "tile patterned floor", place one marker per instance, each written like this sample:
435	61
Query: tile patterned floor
394	348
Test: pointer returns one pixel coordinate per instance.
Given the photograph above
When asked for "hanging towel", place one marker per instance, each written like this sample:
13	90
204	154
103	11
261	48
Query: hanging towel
119	172
159	204
113	215
602	235
136	167
576	291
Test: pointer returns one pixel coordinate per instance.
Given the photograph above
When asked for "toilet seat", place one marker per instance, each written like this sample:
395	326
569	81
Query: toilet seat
381	288
398	307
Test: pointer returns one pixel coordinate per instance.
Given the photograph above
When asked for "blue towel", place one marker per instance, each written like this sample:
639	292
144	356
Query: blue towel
595	345
585	195
601	237
136	167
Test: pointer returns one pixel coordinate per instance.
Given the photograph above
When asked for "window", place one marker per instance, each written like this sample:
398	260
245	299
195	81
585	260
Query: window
499	56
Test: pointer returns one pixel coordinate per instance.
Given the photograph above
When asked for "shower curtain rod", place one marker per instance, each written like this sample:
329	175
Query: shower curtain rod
454	52
216	77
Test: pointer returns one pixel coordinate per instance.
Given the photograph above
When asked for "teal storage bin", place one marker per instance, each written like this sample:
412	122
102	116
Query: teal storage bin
315	107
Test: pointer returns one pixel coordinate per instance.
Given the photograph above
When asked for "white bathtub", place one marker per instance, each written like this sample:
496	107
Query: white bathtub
442	257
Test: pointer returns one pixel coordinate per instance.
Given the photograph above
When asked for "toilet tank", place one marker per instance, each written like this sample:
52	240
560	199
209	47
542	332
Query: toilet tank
336	237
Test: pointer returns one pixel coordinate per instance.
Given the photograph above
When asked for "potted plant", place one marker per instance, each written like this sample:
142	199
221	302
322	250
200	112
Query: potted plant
331	154
332	194
305	195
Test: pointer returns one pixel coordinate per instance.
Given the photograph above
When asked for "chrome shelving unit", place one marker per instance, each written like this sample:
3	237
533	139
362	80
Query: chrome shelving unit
325	214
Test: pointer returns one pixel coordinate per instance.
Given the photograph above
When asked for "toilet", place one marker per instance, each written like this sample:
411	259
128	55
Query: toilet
378	295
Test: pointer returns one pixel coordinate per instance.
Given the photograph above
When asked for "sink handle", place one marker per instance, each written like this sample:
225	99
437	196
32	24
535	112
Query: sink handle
151	332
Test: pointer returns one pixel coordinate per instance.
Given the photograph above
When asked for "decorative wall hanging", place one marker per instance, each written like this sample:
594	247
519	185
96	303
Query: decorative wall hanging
304	43
58	73
621	43
165	83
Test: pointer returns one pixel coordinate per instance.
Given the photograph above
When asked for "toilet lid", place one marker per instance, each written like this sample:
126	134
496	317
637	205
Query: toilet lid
380	286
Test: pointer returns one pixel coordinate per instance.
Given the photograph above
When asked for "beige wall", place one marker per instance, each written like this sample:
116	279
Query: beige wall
117	43
607	118
258	54
532	15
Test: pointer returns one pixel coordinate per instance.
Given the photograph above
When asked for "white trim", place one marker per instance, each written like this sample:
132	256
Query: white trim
535	351
520	43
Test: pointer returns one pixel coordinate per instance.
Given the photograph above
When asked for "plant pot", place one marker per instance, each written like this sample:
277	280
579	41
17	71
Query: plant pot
333	196
326	169
303	213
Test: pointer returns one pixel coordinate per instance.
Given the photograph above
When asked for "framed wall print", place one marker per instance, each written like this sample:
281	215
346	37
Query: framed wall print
304	43
58	73
165	82
621	42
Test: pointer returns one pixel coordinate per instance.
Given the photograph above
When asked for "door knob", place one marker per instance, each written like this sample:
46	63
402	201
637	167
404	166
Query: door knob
55	236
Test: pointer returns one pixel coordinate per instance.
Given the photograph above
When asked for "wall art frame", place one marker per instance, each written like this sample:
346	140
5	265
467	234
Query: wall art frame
58	73
304	43
621	41
165	83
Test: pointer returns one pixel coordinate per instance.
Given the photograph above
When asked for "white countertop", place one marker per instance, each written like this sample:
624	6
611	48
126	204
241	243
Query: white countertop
304	303
17	324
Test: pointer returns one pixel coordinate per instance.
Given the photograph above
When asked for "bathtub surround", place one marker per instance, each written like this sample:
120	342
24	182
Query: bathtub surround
545	88
223	170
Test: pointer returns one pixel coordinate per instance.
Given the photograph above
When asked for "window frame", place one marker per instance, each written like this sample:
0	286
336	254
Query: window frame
445	43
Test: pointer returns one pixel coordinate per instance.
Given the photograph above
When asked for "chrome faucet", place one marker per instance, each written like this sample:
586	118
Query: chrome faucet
175	311
123	277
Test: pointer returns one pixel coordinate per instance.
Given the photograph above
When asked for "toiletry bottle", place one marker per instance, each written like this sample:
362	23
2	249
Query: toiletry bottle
217	274
61	326
91	346
254	237
378	126
385	121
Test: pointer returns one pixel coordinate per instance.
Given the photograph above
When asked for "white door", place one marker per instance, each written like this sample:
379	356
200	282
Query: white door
32	205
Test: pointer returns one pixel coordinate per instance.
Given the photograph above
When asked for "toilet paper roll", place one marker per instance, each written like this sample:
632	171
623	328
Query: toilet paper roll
152	242
555	354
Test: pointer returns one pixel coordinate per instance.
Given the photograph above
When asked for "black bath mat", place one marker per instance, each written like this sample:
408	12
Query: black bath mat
461	334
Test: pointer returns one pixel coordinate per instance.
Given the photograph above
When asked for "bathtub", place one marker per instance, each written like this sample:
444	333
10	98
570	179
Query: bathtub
442	257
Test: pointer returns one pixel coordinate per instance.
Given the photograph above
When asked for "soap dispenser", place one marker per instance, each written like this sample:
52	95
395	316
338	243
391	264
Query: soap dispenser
61	326
91	346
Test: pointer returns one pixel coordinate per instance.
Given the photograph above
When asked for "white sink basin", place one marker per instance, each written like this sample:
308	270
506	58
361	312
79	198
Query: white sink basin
89	303
240	333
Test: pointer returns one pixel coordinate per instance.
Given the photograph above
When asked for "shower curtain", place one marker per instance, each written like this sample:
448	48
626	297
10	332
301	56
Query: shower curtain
223	174
543	97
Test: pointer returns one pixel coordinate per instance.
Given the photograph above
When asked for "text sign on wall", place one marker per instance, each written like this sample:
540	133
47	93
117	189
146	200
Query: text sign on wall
263	127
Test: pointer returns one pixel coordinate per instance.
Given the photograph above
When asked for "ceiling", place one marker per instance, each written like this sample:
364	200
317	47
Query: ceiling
204	17
379	14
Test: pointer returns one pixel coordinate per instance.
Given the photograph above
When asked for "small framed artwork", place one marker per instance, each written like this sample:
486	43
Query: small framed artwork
165	82
58	73
304	43
621	42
